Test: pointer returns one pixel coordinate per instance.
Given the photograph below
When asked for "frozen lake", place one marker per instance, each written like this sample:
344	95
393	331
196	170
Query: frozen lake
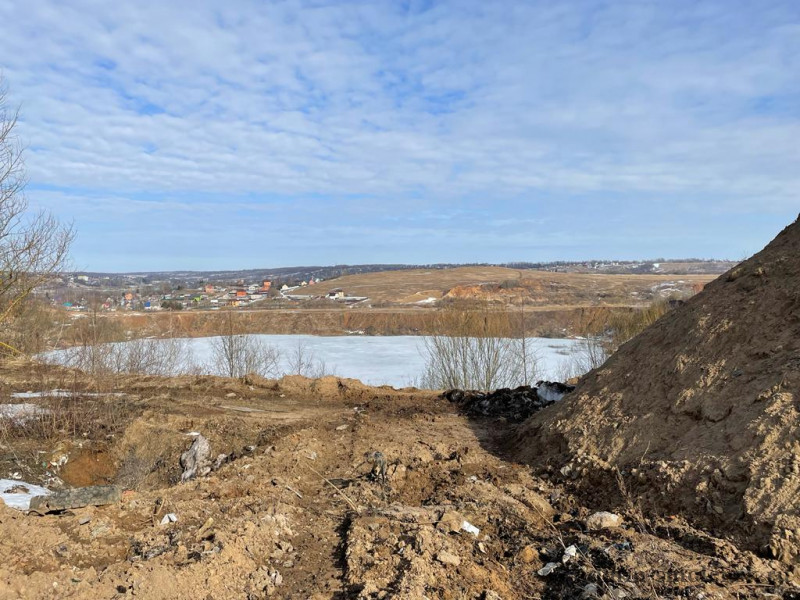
392	360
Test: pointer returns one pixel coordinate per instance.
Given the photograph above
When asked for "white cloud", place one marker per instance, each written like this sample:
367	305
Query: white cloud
316	101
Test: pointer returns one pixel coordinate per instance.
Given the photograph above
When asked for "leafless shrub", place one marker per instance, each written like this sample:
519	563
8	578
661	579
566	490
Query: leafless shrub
136	357
589	353
237	354
152	356
69	415
303	361
473	349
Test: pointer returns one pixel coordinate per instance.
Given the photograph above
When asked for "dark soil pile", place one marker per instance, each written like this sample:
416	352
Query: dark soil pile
514	405
699	414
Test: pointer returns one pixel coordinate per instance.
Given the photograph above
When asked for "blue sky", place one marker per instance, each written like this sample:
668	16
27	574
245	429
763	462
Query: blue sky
208	135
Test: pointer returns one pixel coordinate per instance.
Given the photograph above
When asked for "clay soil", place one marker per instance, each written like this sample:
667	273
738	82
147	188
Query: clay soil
295	512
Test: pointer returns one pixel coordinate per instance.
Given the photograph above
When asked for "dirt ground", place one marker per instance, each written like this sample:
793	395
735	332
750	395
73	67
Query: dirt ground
295	512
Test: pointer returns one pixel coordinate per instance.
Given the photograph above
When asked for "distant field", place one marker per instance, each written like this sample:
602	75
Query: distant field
408	287
556	304
539	288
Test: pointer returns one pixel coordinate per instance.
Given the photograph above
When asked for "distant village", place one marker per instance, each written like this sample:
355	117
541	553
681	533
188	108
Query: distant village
83	292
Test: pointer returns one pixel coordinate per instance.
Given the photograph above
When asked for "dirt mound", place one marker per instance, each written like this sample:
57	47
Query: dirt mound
700	414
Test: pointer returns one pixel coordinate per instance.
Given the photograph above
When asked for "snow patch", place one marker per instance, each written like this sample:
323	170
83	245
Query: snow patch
18	494
21	412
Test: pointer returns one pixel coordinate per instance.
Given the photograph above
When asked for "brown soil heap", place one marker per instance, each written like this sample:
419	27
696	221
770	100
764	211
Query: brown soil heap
698	415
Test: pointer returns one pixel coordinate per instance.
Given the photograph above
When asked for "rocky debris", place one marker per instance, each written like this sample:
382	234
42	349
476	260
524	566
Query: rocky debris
603	520
569	553
515	405
590	590
98	495
263	583
548	568
377	460
195	461
448	558
528	555
450	522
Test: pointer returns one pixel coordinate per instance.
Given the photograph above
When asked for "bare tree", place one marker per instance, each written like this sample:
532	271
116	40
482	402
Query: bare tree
33	246
303	361
589	353
237	354
473	348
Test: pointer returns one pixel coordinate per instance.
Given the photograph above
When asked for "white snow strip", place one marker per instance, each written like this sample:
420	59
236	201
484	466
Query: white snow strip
63	394
20	499
21	412
47	394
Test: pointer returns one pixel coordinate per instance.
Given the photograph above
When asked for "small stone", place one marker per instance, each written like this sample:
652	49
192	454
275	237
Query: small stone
570	553
590	590
450	522
603	520
448	558
528	555
84	520
341	427
547	569
491	595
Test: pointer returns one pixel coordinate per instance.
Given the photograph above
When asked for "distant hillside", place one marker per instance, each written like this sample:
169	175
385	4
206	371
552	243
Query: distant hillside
297	274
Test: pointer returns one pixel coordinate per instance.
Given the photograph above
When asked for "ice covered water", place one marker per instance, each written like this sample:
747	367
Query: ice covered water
375	360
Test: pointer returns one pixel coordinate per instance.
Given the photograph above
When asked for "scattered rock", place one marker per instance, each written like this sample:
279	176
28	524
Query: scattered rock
547	569
450	522
97	495
603	520
491	595
528	555
169	518
195	461
570	553
590	590
448	558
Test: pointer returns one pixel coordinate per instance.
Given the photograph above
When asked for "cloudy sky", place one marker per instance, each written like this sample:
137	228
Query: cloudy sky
210	135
